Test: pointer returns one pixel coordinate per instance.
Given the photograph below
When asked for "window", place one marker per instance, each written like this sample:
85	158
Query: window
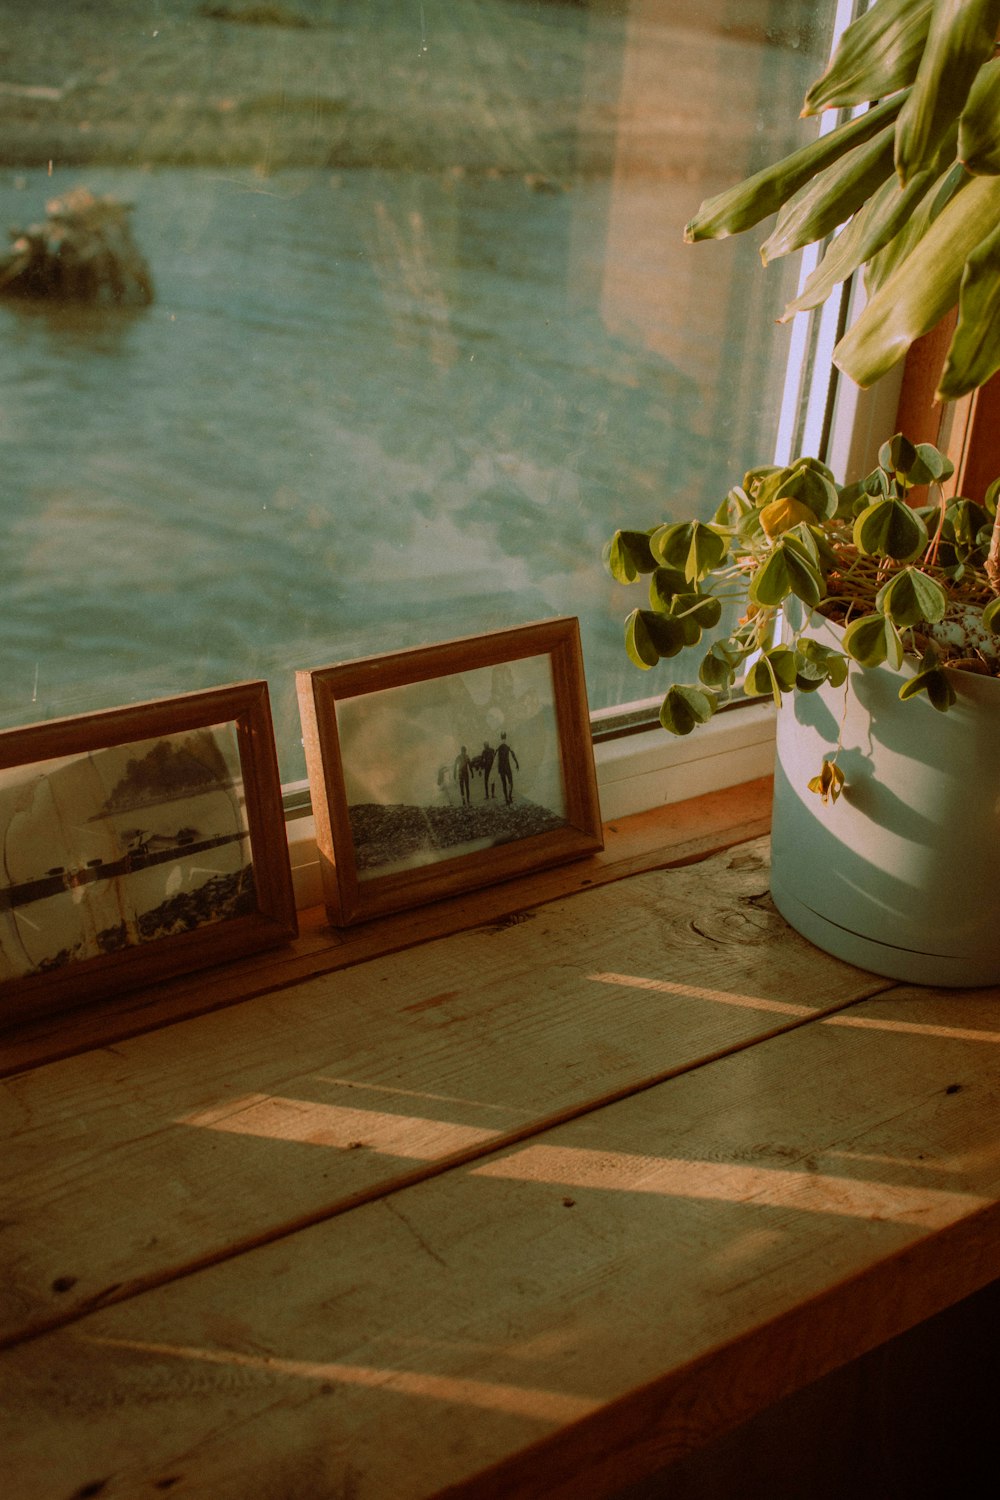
424	330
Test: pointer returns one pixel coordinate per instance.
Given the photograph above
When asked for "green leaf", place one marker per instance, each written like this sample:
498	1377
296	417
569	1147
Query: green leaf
871	229
736	505
876	55
684	707
959	40
911	597
691	547
744	205
787	570
932	466
991	616
831	197
943	188
701	611
934	682
897	455
872	640
774	672
890	528
813	485
816	664
627	555
649	636
974	354
922	289
664	586
965	523
978	137
720	664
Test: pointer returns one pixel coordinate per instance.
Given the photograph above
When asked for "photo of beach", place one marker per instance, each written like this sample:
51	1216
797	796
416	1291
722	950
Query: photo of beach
447	766
120	846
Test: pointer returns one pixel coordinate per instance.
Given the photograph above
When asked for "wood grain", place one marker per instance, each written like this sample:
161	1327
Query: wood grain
568	1314
667	836
130	1164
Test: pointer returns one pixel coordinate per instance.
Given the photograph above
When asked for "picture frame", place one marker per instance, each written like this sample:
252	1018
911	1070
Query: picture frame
443	768
139	843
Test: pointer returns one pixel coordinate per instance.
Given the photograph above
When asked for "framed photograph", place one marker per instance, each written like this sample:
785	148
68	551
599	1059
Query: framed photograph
139	843
442	768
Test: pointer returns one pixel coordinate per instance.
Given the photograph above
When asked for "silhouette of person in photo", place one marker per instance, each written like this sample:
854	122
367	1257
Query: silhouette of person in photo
504	757
462	768
485	758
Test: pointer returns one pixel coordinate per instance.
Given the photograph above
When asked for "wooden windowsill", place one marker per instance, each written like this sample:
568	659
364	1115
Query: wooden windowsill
669	836
532	1210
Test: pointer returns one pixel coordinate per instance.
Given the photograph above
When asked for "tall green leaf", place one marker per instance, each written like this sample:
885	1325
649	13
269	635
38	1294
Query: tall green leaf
942	189
832	196
978	136
743	206
974	354
923	288
872	227
876	55
960	39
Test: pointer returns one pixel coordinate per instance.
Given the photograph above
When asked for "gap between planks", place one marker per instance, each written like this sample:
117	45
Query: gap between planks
390	1186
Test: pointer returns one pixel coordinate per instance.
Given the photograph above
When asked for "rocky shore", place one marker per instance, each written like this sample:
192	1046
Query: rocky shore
383	835
492	85
527	87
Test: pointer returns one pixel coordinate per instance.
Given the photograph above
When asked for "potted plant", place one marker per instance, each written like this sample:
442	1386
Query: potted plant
850	598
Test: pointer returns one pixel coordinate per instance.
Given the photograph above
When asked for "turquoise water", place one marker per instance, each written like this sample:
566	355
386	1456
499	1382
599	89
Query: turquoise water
364	410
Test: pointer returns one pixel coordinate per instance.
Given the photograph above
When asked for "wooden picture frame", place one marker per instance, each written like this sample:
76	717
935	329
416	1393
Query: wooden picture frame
400	820
139	843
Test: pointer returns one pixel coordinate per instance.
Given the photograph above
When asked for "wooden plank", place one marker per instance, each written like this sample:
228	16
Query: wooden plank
668	836
567	1315
129	1164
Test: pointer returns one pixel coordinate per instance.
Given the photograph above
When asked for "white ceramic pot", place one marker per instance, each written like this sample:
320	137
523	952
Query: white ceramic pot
902	874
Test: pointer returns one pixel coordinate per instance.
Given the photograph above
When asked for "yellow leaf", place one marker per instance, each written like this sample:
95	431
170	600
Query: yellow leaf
782	515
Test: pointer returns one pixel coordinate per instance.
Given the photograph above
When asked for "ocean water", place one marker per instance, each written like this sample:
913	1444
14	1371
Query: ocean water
365	410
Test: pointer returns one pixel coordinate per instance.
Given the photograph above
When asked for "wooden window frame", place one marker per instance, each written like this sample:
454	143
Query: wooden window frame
967	430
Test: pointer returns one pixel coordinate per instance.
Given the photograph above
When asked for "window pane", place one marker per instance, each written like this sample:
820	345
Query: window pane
423	333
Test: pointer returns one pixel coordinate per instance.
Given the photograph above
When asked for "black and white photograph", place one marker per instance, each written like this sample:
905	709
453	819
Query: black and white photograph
447	766
137	843
121	846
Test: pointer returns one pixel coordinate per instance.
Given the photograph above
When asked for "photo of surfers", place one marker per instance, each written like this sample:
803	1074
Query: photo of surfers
119	846
443	767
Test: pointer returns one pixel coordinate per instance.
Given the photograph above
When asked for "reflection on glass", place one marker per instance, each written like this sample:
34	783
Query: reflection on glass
423	328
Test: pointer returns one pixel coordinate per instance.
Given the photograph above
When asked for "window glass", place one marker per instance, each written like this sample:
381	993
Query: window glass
423	329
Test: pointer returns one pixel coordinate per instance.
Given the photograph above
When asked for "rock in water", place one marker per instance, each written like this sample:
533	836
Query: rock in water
84	252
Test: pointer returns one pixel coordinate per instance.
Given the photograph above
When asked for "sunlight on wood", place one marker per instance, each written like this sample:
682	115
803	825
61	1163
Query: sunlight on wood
385	1088
696	992
518	1401
916	1028
308	1123
727	1182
